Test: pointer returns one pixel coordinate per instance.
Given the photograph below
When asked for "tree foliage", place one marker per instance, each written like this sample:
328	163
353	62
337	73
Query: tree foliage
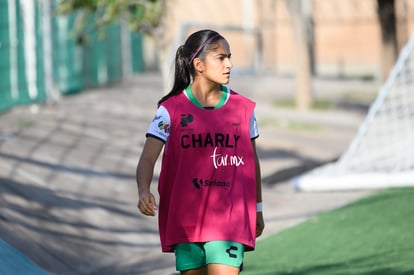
141	15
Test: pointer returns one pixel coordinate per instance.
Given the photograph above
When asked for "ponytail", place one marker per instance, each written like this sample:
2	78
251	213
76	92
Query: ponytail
196	45
182	74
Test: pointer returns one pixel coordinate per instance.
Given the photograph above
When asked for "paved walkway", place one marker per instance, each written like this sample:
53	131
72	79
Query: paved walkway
67	172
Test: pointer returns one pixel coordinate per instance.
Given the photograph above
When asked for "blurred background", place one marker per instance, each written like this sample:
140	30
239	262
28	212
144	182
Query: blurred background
79	82
51	48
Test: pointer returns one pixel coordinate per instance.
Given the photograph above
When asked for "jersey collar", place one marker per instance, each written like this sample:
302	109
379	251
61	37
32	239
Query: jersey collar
224	97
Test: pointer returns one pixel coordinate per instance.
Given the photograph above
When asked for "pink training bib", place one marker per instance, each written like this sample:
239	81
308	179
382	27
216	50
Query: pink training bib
207	184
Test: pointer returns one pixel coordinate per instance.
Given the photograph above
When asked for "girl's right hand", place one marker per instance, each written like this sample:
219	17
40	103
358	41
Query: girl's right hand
147	204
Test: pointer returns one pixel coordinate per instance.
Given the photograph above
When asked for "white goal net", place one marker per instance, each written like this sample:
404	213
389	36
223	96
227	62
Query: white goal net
382	153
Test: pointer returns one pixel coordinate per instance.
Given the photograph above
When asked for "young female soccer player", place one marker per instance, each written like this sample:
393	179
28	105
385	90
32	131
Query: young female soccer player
210	201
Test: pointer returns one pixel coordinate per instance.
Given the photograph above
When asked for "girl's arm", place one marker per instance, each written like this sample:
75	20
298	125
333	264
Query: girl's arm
145	171
259	218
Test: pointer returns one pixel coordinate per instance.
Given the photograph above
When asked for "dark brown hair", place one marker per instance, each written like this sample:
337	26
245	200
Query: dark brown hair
196	45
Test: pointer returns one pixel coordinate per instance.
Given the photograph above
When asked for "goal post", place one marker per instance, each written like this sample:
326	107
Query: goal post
381	155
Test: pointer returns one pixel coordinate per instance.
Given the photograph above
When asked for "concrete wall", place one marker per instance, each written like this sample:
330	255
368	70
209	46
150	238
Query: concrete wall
346	33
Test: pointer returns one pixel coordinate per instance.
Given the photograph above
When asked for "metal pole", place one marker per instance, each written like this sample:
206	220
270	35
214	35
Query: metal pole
13	50
126	54
52	96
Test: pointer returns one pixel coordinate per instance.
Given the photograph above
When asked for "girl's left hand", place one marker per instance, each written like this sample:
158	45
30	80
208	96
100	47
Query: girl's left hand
259	224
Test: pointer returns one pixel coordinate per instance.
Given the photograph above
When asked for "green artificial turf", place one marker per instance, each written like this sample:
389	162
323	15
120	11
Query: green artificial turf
374	235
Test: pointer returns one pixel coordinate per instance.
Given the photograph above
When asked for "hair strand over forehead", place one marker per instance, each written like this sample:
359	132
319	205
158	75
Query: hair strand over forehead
202	46
195	46
197	42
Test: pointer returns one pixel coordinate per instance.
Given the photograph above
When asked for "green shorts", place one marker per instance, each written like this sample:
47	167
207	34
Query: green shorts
196	255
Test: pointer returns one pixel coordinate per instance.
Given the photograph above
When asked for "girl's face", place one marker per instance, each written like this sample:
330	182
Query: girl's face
217	64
